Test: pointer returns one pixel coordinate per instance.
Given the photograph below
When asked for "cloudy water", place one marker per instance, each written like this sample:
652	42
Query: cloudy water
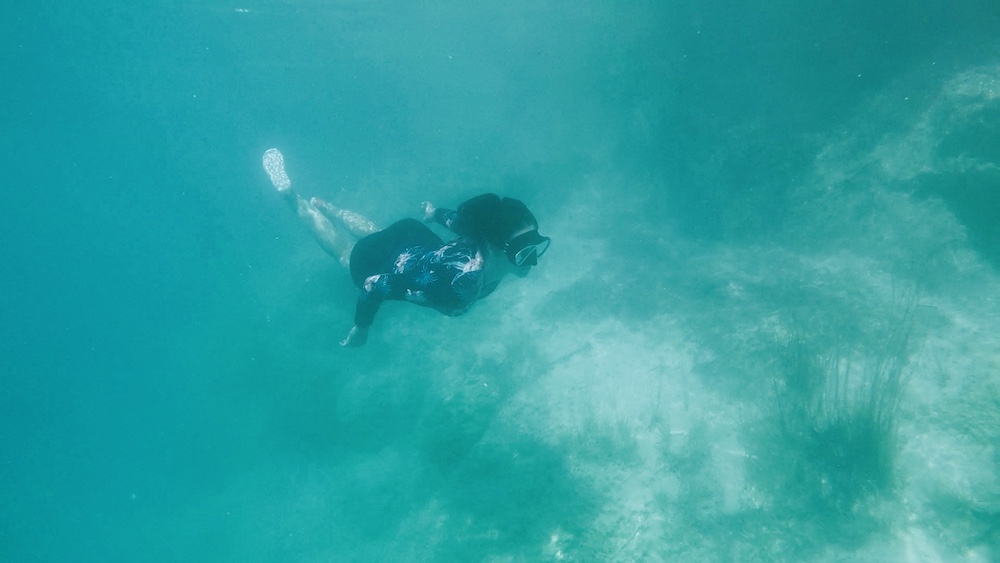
767	327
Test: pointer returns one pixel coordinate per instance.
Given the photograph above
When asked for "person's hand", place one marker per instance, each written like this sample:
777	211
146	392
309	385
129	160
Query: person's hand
429	210
357	337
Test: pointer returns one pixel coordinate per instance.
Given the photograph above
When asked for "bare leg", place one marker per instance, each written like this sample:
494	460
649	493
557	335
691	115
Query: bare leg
329	238
357	224
335	244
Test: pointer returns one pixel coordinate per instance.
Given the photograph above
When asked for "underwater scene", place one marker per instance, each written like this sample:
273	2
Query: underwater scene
767	327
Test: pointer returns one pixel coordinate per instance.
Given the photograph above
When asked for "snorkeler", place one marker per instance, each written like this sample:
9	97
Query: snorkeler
408	262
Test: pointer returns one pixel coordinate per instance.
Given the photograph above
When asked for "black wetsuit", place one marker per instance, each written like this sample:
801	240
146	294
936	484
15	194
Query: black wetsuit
408	262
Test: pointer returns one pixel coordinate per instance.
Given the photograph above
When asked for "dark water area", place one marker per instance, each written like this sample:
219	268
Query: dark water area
765	329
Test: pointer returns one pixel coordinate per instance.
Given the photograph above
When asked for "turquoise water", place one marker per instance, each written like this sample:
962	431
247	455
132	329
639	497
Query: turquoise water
766	328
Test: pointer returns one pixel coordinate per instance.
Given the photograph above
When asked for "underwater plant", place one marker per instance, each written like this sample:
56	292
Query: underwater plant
854	418
832	432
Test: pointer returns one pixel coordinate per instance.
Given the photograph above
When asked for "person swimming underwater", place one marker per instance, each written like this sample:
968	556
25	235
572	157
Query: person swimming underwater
407	261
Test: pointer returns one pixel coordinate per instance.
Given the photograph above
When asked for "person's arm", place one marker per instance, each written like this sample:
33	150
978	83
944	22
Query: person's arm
444	217
376	290
357	337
